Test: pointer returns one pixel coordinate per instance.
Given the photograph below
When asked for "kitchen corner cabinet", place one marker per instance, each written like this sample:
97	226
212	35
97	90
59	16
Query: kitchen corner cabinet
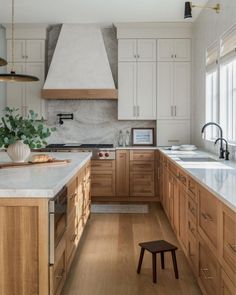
173	90
172	132
137	91
29	60
174	49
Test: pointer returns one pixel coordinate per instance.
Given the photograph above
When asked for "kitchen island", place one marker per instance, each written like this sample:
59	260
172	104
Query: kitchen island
37	248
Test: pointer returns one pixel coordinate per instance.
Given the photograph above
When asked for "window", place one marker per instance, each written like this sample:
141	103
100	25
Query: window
212	93
221	86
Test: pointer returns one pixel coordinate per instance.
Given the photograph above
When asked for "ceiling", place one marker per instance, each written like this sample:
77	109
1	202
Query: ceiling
95	11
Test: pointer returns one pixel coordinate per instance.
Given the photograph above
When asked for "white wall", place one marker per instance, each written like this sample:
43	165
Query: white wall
207	28
2	69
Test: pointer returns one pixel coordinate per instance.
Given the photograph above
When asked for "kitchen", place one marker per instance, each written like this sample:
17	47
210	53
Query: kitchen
123	155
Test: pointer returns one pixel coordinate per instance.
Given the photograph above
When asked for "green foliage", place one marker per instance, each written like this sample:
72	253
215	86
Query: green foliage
14	127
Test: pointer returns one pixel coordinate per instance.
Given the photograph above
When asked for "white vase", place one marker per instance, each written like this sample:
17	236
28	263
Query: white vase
18	152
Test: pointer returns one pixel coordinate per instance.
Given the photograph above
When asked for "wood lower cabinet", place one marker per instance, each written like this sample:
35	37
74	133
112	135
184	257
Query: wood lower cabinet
208	217
122	173
209	270
103	178
183	218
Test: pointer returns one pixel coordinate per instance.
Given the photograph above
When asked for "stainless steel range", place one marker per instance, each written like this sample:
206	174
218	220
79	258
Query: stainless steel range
99	151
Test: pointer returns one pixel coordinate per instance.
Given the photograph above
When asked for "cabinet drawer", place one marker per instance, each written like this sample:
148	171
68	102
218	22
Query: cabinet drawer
71	195
193	251
142	155
58	270
142	185
102	165
141	166
103	185
208	270
192	210
229	239
192	189
72	240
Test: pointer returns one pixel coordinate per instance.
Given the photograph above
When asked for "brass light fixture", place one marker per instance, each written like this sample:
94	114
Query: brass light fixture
189	6
12	76
3	62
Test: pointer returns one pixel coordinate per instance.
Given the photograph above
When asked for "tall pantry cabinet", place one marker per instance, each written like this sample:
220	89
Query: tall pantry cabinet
29	58
154	78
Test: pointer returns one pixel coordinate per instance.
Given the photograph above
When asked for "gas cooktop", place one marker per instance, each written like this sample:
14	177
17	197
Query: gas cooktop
77	145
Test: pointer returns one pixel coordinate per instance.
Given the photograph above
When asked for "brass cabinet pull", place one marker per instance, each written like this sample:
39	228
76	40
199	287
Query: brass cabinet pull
60	274
204	272
232	247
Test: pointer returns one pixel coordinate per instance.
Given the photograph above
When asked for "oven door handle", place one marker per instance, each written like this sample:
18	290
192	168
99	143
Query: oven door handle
51	238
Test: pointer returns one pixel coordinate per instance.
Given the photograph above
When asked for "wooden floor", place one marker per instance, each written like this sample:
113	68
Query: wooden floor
107	258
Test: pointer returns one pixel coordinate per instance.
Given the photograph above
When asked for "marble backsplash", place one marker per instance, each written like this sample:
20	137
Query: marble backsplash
95	121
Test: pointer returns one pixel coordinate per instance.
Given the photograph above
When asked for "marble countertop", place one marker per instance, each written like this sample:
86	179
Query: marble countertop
218	176
39	182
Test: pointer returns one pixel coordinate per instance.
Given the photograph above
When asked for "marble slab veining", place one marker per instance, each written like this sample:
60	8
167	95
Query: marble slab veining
39	181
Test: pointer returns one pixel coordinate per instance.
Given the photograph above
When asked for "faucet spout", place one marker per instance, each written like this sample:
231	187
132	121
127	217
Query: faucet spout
221	136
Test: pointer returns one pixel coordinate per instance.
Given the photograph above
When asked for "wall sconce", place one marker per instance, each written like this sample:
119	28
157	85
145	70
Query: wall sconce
189	6
65	117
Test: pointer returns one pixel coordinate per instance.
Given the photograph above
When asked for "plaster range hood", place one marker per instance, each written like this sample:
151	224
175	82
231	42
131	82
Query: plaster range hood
80	68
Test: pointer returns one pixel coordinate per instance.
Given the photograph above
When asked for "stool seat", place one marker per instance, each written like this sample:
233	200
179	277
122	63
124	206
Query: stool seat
158	246
154	247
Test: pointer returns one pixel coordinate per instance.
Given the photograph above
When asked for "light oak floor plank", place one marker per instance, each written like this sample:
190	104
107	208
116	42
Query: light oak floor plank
107	258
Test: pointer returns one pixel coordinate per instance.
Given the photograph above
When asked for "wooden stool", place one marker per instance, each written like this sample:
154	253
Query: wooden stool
155	247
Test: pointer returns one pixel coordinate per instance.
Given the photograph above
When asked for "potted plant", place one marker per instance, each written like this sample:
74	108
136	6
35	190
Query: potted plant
20	134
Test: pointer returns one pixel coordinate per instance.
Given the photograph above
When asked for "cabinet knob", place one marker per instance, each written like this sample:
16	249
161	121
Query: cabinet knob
138	56
172	55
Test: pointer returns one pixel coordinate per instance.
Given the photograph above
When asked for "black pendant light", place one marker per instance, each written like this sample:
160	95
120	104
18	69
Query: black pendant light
12	76
188	10
3	62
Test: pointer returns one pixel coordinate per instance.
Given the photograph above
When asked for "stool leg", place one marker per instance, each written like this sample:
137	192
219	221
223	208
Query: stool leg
162	260
175	264
154	267
140	260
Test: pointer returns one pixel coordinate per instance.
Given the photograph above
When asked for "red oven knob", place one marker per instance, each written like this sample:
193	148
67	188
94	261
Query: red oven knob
100	154
106	155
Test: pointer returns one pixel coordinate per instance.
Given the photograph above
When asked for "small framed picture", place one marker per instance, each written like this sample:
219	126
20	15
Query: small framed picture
142	136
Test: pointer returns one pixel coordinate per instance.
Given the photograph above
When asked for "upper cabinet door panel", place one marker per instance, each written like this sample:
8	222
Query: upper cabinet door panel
182	92
182	49
146	50
165	103
127	50
146	91
127	90
19	50
35	51
165	49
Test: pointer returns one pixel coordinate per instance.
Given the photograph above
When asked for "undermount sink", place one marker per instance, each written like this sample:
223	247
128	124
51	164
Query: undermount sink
197	159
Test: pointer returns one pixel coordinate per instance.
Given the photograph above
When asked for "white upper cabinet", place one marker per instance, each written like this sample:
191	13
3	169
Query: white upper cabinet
137	50
137	91
26	50
146	91
127	50
127	82
173	90
174	50
173	132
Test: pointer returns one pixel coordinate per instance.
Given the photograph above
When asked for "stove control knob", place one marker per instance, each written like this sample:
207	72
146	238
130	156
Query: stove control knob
100	154
106	155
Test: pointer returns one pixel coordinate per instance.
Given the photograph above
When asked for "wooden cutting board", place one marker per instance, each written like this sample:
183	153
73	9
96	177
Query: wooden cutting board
28	164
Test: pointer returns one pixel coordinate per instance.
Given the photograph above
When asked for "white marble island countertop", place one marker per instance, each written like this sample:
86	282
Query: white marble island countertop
39	181
217	176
